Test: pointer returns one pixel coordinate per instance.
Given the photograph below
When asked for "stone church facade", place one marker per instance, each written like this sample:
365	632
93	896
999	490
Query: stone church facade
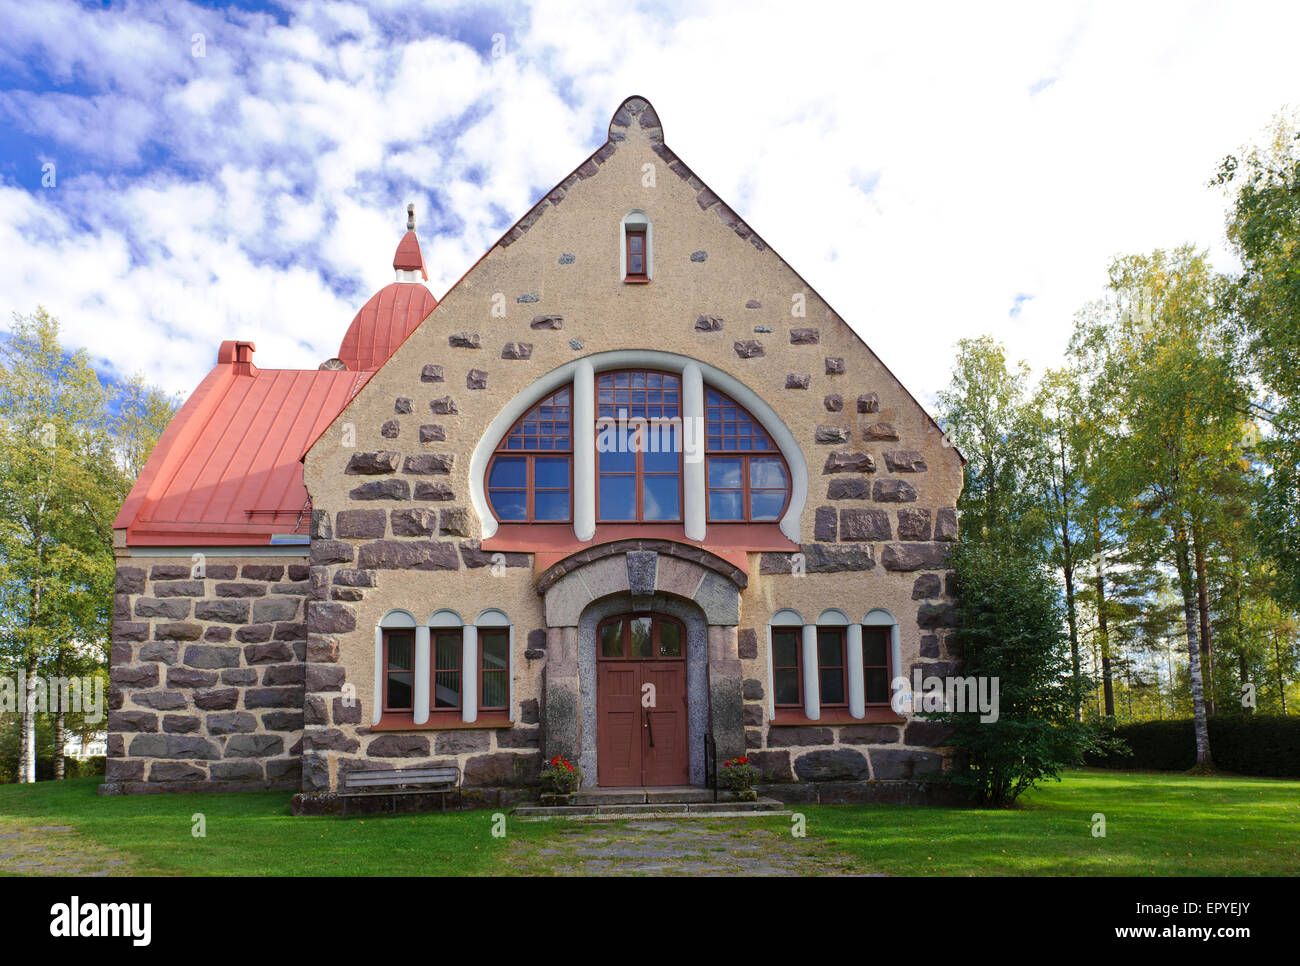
631	490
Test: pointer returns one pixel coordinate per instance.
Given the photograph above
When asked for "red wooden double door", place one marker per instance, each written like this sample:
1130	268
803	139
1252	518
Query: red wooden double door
641	711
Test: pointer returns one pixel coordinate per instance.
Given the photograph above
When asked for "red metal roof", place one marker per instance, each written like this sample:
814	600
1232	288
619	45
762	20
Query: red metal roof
227	470
408	257
384	323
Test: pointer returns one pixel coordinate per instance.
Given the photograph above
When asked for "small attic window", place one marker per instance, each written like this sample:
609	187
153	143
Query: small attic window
636	258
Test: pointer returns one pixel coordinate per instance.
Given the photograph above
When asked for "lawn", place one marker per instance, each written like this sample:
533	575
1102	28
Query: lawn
1156	824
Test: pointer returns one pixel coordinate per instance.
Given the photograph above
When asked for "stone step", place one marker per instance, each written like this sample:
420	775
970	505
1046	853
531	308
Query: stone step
764	806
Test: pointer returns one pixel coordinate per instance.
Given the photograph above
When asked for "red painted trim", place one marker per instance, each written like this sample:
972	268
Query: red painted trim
442	721
837	716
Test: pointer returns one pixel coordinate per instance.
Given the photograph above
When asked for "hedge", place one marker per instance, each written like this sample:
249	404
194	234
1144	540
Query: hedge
1242	744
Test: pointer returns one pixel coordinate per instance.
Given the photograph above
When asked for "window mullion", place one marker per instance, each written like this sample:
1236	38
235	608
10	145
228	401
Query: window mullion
856	675
469	674
423	675
811	674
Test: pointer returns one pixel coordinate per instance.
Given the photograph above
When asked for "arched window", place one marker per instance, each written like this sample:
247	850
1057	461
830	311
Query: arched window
747	477
638	447
635	256
530	479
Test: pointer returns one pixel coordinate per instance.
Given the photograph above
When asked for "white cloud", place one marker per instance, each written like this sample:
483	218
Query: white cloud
925	168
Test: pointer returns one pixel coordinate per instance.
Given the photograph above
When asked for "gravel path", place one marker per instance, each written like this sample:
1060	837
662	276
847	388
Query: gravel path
694	847
47	850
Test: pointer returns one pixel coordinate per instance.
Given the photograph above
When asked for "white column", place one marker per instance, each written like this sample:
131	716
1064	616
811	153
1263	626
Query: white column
812	698
857	686
694	511
377	711
422	676
469	674
584	451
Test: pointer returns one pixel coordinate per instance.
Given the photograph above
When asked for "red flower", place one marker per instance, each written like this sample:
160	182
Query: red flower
743	760
568	766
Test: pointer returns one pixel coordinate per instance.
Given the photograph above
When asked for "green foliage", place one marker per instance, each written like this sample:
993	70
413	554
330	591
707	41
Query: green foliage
1261	745
1011	631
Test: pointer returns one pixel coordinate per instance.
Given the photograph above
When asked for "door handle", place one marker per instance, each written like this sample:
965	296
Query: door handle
648	728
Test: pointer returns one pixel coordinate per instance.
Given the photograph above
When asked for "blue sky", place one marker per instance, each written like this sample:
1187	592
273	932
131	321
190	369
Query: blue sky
934	172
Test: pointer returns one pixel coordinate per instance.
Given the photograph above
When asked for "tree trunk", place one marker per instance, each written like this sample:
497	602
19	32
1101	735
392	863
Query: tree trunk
1203	606
59	719
1186	584
1072	619
1281	679
1103	634
27	752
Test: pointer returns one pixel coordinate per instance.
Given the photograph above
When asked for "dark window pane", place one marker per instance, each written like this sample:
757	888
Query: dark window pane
551	505
635	265
618	498
399	691
725	473
510	504
875	648
661	499
640	637
401	650
726	505
832	686
670	639
508	471
786	685
495	646
551	471
830	650
446	651
494	690
876	682
446	689
611	639
785	648
766	504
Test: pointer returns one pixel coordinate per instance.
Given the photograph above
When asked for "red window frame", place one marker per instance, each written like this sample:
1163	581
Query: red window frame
886	636
797	634
656	624
643	235
609	380
531	455
388	670
718	402
824	633
483	671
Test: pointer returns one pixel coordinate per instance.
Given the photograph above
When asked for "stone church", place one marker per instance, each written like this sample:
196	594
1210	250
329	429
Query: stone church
630	452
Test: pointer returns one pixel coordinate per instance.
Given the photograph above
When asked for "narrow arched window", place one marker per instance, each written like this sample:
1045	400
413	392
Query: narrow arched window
530	476
747	477
638	447
636	257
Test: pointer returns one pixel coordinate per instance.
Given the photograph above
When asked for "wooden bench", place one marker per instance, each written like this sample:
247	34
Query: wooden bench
441	780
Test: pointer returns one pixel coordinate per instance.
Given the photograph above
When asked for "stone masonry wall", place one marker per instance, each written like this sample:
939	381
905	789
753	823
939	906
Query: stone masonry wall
207	673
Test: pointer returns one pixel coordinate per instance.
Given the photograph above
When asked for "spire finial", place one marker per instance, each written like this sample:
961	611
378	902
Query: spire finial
410	217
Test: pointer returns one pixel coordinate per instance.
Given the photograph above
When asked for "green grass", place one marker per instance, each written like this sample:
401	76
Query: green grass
1156	824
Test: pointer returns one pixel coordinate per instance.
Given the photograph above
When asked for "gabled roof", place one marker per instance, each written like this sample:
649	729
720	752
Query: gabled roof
226	471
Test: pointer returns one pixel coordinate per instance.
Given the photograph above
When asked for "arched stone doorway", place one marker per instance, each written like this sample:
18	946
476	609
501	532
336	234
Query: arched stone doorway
688	583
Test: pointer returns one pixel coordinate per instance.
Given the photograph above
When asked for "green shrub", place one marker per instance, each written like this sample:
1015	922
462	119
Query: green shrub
1243	744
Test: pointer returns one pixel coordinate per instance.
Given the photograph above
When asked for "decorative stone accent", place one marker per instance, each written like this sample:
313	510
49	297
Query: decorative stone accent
360	524
848	489
797	382
749	349
905	461
432	433
926	733
752	689
410	523
763	329
819	559
927	586
549	322
476	379
390	429
699	256
831	764
945	524
429	464
932	616
890	764
869	402
709	323
834	367
575	345
798	737
382	490
805	336
913	524
398	746
463	340
434	492
879	433
404	555
826	524
753	304
865	524
894	491
843	462
747	646
402	406
431	373
869	734
454	521
929	642
834	403
832	434
373	464
444	406
517	350
915	556
567	258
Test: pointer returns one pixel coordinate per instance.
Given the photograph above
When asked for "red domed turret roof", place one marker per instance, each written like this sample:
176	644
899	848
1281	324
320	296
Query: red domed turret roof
408	257
384	323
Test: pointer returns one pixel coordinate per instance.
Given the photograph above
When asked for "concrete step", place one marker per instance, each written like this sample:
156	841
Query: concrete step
764	806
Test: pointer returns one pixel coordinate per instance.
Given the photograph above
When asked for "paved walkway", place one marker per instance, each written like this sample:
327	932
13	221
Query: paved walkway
695	847
55	850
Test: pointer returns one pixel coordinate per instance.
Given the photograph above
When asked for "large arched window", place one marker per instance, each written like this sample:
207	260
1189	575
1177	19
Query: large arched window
747	477
530	479
638	447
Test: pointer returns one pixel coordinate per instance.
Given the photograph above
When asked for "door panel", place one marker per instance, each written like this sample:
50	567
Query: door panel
618	724
665	762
